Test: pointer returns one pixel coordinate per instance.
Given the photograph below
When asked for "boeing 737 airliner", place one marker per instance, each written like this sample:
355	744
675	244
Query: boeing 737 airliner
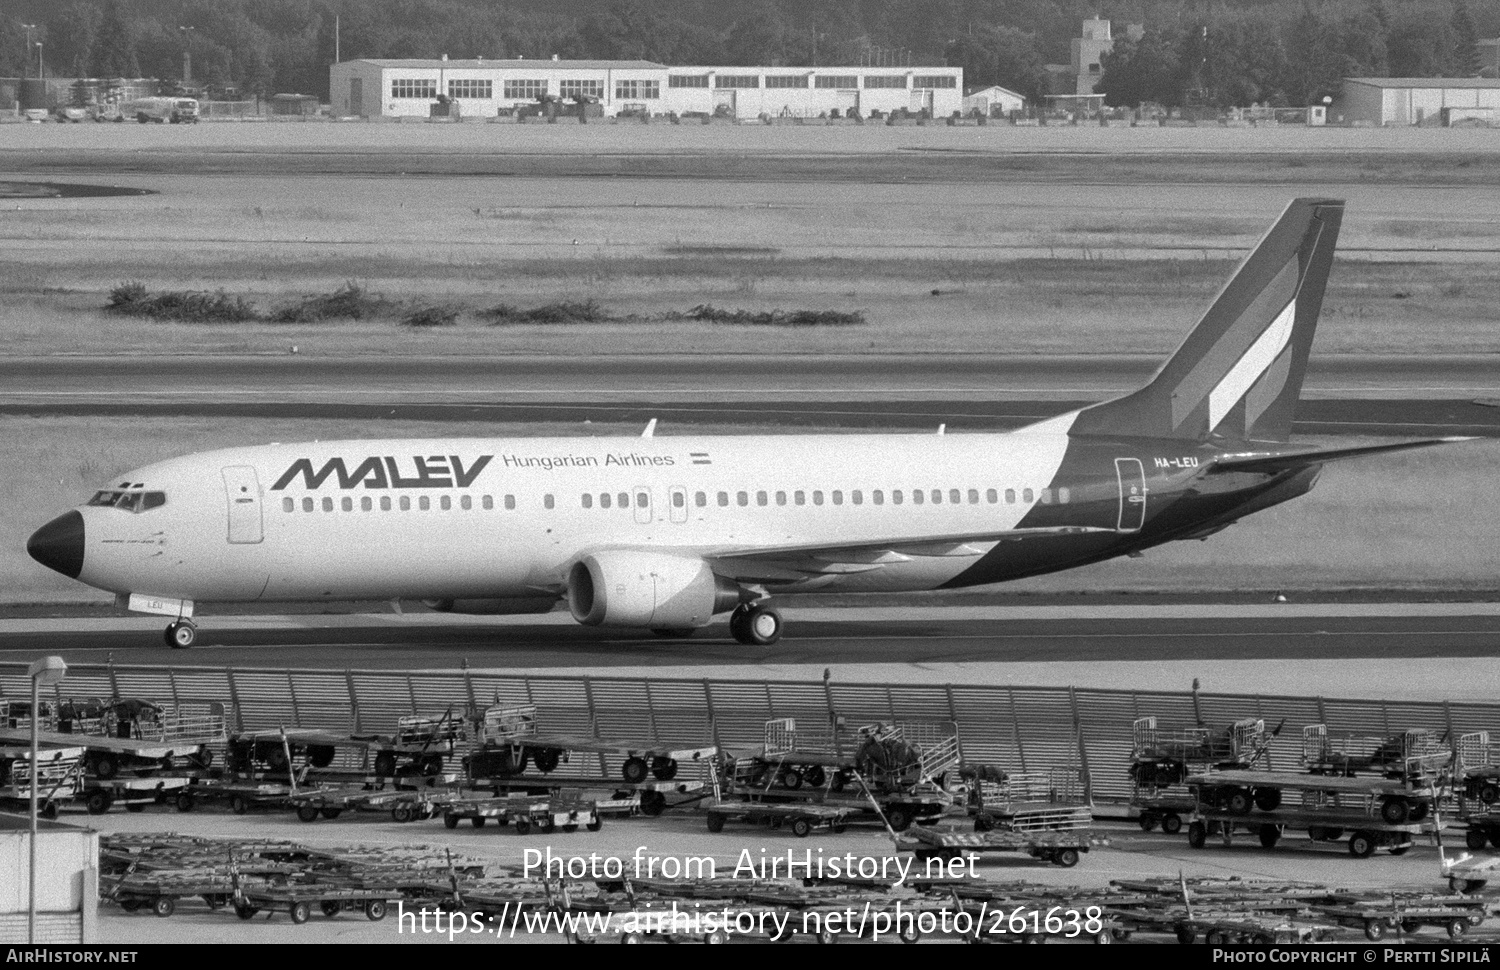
666	533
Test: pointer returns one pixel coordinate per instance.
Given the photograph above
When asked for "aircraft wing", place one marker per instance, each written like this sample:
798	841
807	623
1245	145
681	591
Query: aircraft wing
1291	461
807	559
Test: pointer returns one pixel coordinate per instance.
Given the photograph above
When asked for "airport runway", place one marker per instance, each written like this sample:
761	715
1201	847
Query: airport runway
816	636
1346	395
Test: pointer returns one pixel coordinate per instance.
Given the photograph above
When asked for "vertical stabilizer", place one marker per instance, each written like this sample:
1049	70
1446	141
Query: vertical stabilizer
1238	375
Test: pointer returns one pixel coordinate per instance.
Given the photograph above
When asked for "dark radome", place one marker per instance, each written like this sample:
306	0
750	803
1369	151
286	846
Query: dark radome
59	544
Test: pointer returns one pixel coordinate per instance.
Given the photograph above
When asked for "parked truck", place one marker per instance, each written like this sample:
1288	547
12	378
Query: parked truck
177	111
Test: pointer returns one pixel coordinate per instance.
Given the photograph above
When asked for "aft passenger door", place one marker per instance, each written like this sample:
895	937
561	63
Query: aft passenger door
1132	478
242	492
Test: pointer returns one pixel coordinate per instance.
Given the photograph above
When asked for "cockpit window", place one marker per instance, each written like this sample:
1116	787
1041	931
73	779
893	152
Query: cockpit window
132	500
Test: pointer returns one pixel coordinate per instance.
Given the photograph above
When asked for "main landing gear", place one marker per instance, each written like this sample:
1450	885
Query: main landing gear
756	626
180	635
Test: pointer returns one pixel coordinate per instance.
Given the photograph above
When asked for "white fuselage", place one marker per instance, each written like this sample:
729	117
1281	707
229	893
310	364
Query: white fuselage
475	518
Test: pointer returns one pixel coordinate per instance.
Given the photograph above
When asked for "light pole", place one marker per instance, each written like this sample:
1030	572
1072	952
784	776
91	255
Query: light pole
40	73
49	671
187	55
26	61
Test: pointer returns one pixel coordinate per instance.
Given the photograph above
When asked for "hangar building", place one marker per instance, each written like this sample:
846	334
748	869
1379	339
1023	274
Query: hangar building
376	88
1416	100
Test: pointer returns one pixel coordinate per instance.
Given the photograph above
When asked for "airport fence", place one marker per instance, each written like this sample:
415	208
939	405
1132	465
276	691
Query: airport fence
1017	728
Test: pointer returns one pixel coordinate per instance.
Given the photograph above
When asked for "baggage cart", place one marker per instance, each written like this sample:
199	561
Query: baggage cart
1406	914
544	813
1062	848
799	819
59	777
1163	758
1417	758
1238	792
1476	790
300	901
508	739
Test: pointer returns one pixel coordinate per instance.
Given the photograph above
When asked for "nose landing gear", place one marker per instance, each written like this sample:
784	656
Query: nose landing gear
756	626
180	635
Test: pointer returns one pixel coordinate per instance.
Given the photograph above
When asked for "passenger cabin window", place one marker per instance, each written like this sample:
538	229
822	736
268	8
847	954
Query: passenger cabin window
1010	496
1027	496
488	502
838	498
547	501
366	504
405	503
723	500
679	500
624	498
466	503
604	500
700	499
799	497
287	505
1046	496
328	505
385	503
896	496
423	503
307	505
780	498
761	498
588	500
1064	496
857	497
445	503
510	501
991	496
916	496
743	498
878	497
817	497
347	504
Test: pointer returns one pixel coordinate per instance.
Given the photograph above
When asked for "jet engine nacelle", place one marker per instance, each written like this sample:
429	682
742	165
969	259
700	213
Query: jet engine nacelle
624	587
510	606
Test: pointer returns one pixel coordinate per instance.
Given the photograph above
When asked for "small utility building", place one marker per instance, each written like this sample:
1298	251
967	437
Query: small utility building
1416	100
994	101
67	881
375	88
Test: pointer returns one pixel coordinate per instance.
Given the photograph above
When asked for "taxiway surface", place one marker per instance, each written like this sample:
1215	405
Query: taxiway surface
1410	650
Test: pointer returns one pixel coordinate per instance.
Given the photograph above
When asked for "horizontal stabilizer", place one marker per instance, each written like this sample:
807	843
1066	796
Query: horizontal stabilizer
1290	461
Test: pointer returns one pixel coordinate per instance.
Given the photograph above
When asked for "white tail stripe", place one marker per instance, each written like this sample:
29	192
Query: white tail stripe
1243	375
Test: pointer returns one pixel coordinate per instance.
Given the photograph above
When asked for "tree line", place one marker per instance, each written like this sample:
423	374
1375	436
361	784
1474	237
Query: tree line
1287	51
1247	56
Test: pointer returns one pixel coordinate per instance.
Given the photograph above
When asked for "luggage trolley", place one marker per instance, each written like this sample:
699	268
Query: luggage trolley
508	738
1162	760
1377	812
1476	788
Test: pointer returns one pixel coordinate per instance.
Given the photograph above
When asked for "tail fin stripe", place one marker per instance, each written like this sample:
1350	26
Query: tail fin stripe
1251	367
1260	398
1237	339
1239	373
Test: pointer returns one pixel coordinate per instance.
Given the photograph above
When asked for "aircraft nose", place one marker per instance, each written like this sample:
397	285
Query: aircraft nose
59	544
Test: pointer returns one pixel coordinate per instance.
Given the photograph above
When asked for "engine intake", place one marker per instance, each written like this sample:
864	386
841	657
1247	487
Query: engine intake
624	587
